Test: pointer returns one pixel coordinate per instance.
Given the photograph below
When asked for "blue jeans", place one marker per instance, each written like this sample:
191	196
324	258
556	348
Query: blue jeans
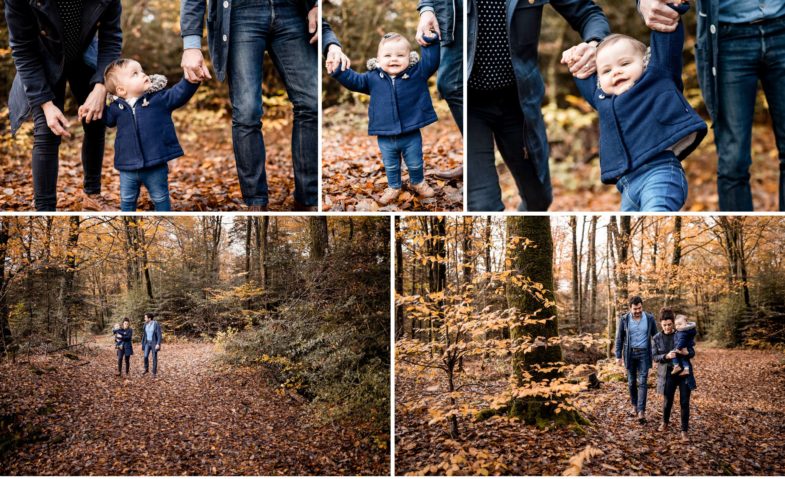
449	79
637	373
279	27
147	350
681	361
747	53
659	185
155	179
408	145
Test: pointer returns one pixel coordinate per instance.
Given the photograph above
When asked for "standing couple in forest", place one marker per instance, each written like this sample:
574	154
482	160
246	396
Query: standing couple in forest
638	344
76	41
151	344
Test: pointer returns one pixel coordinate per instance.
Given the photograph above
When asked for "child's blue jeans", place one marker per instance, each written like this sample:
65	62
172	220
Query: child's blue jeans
408	145
155	179
680	361
659	185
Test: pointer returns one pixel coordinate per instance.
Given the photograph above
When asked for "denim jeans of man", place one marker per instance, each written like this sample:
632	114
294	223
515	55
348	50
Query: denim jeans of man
495	117
449	79
155	179
278	27
659	185
46	145
637	373
672	383
148	350
748	54
408	146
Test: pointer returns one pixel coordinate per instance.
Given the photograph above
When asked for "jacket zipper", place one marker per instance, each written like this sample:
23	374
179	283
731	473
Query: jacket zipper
395	103
621	137
136	131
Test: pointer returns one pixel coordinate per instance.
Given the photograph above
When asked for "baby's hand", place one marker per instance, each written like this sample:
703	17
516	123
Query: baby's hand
580	59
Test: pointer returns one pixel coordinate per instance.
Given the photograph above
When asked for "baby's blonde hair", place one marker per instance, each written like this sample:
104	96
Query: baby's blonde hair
110	74
680	318
614	38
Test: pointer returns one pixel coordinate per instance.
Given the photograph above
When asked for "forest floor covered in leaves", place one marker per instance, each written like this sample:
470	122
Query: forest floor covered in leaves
353	177
577	186
205	179
736	428
199	417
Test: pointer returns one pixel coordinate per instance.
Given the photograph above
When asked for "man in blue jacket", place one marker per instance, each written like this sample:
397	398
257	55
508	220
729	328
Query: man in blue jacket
506	91
151	342
738	43
634	332
239	32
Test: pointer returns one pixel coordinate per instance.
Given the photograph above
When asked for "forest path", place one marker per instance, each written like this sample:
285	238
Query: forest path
736	428
198	416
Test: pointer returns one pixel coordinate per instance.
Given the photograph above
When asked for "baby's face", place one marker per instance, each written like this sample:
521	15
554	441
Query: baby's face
393	57
680	323
619	66
132	81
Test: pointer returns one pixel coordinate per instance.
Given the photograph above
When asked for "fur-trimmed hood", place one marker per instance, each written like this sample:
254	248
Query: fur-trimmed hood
373	63
157	83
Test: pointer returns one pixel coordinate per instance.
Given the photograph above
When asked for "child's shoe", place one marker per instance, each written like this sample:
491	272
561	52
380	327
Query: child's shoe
685	372
422	189
676	370
389	195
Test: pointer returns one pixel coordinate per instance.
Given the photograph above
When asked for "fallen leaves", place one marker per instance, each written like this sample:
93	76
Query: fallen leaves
198	417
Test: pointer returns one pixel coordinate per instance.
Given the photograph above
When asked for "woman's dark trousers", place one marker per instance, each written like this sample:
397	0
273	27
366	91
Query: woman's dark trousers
672	383
120	356
46	144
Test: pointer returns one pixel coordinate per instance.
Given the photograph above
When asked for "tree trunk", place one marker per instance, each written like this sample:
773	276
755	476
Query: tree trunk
318	231
576	284
5	331
400	320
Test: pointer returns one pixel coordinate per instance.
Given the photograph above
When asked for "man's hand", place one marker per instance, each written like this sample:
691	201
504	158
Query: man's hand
580	59
427	25
93	107
658	15
194	68
313	24
336	58
619	362
55	120
157	347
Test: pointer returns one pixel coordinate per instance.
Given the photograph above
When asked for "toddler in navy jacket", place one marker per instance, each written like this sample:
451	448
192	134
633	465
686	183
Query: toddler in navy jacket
400	105
684	339
646	125
146	140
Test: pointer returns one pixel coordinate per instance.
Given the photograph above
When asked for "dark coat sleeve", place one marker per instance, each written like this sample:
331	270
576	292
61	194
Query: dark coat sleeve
179	94
352	80
110	39
109	116
192	17
666	49
585	17
328	36
588	88
658	350
25	50
619	337
429	62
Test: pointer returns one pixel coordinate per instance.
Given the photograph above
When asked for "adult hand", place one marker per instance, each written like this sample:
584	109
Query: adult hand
619	362
580	59
658	15
194	68
93	106
313	24
157	347
336	58
428	24
55	120
670	355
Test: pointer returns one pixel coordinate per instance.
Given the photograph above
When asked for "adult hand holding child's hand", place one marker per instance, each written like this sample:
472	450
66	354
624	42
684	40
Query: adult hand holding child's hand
658	15
194	68
93	106
428	24
580	59
336	58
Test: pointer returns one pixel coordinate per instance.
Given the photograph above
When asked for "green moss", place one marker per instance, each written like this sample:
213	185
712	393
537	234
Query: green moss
615	378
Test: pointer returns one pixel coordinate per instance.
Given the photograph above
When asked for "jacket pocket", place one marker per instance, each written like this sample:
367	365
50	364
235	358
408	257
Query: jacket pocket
671	107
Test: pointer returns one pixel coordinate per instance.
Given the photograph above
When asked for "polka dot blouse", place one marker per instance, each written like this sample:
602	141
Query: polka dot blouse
71	17
492	67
